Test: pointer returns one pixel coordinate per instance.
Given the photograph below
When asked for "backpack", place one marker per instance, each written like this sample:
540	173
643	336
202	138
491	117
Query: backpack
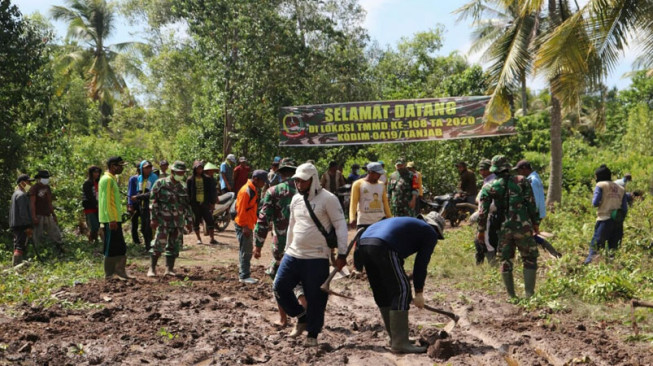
232	210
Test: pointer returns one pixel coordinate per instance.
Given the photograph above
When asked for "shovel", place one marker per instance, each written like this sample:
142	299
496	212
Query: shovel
454	318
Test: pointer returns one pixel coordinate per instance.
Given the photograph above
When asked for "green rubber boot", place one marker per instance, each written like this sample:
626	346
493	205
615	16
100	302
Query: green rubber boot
385	314
509	282
110	264
399	331
121	272
529	281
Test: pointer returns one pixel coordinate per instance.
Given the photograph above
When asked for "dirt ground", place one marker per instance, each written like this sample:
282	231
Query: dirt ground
206	317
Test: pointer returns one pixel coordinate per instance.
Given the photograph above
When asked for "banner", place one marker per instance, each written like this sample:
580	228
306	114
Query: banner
390	122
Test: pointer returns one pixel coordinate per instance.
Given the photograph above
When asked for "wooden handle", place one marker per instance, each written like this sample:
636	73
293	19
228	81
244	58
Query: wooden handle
443	312
327	284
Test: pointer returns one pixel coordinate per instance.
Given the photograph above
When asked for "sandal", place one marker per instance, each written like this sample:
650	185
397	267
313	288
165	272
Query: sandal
214	242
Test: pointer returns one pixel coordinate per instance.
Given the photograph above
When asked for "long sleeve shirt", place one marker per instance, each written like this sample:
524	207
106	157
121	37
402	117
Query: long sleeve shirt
369	202
306	240
609	201
246	206
407	236
20	214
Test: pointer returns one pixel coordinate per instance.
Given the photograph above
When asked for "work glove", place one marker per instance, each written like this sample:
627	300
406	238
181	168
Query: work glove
419	300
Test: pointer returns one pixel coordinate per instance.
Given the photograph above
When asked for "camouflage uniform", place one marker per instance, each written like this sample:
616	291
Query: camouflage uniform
171	210
520	215
275	209
400	192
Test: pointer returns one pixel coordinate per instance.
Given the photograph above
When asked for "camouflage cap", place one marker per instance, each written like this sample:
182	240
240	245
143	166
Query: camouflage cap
485	164
179	166
288	164
499	164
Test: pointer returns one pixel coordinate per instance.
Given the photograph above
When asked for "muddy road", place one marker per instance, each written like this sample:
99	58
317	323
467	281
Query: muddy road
204	316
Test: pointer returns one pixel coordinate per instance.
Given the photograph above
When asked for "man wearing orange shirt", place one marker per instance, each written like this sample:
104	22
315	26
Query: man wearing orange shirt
246	216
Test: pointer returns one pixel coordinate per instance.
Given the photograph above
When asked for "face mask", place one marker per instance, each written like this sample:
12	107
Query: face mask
45	181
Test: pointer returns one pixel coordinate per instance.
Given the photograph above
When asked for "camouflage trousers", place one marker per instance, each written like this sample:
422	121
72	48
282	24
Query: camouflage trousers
403	210
277	254
524	242
168	239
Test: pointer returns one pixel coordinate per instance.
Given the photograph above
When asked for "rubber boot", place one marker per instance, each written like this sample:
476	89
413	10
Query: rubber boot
18	259
509	282
529	281
399	331
491	258
121	272
385	314
152	271
170	266
110	264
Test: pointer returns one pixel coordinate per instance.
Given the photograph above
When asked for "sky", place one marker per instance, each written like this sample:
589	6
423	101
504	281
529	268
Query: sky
387	21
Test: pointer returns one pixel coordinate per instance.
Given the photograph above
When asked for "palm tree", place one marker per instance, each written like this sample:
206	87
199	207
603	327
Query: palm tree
102	66
575	50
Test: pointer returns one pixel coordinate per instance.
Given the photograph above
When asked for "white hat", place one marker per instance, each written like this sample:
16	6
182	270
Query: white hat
376	168
434	219
231	158
305	171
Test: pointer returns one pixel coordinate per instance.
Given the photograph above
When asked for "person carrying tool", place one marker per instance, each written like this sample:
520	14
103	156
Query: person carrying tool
110	214
313	211
171	212
383	248
488	248
517	212
275	209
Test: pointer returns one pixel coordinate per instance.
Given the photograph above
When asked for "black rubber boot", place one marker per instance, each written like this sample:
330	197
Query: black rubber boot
110	266
399	331
152	271
385	314
170	266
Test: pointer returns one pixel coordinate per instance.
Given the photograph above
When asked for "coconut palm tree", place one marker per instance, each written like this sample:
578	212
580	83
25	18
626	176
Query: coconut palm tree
575	50
103	67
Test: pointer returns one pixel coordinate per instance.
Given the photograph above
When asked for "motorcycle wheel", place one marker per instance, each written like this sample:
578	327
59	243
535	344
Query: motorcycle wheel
222	221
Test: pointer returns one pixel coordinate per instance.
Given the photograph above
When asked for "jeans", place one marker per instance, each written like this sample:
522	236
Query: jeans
311	273
245	257
606	230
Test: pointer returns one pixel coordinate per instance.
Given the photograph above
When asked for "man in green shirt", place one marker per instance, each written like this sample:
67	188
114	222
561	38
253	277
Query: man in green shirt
110	214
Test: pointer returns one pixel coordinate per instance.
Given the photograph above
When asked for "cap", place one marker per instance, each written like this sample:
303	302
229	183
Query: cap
42	174
209	166
523	163
375	167
179	166
262	175
436	221
276	159
288	163
242	159
163	162
411	164
499	164
485	164
305	171
400	162
197	164
24	178
145	163
116	160
231	158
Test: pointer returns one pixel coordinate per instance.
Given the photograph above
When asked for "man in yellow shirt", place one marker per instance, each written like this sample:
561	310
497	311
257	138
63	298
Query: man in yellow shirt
364	210
110	214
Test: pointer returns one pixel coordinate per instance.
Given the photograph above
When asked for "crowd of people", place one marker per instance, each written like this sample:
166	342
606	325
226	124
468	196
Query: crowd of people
308	226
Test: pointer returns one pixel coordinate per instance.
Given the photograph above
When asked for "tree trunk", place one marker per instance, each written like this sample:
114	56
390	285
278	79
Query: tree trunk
554	194
230	97
524	95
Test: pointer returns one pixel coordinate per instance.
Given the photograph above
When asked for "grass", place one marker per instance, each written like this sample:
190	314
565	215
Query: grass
597	292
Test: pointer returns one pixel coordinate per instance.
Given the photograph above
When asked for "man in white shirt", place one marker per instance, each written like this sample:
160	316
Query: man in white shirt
306	260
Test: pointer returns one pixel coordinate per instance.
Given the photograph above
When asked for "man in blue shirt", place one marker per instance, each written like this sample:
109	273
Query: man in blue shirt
383	248
227	174
524	168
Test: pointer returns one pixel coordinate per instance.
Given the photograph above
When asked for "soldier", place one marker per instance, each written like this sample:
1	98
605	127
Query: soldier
170	214
402	190
487	249
275	208
513	197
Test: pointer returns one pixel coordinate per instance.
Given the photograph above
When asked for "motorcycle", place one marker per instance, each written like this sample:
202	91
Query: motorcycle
221	212
450	207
